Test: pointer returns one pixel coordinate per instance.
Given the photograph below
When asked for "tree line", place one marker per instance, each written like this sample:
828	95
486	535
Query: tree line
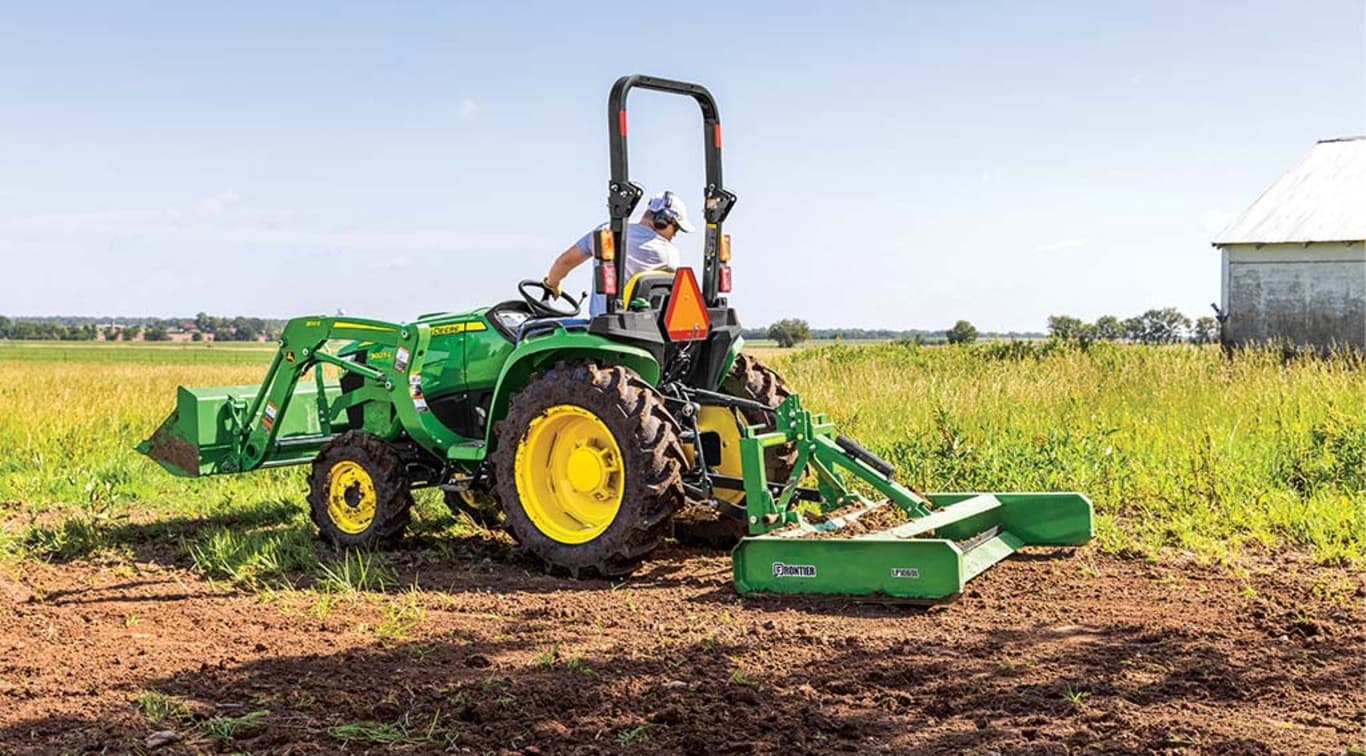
791	331
1157	326
201	327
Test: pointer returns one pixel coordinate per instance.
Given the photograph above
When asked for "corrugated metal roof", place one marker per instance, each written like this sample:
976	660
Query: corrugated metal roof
1323	199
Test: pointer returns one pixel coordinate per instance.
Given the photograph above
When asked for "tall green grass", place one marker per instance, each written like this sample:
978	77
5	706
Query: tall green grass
1179	447
159	353
1176	446
73	487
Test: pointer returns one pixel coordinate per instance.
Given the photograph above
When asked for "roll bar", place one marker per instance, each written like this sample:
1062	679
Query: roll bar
623	194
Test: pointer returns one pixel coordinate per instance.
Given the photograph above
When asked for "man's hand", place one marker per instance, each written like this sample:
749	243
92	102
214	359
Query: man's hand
552	291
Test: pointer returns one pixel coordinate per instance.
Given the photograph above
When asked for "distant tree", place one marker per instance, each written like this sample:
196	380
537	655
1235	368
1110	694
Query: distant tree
4	327
1164	326
1205	330
1073	330
1064	327
1133	329
1109	328
789	332
130	333
196	336
962	332
1086	333
157	333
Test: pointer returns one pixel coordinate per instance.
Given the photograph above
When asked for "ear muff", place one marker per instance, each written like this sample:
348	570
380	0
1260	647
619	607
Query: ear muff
664	215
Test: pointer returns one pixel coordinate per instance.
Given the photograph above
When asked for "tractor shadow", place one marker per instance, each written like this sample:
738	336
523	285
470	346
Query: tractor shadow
444	554
152	539
272	543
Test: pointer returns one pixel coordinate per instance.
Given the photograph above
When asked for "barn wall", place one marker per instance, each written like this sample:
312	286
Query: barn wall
1314	295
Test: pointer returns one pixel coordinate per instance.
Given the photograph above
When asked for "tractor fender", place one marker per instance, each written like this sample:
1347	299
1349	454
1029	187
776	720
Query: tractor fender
735	348
540	353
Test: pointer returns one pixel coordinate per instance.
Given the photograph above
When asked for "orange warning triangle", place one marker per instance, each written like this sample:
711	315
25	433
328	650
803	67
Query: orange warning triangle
686	318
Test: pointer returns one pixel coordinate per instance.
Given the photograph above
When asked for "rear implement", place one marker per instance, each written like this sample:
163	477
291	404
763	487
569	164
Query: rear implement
944	541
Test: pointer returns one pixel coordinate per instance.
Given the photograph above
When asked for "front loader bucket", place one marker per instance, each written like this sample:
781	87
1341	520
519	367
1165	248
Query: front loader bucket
204	433
929	558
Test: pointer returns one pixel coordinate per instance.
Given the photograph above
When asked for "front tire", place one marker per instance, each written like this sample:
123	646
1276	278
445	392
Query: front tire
589	469
358	491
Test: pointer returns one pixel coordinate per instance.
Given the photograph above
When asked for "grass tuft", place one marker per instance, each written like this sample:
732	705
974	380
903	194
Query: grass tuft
407	730
354	572
225	728
160	708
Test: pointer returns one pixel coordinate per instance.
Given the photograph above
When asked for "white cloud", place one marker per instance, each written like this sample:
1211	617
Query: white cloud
218	203
1061	244
223	219
394	263
467	109
206	210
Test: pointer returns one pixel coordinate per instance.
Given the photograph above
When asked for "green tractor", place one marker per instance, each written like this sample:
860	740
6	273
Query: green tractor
591	440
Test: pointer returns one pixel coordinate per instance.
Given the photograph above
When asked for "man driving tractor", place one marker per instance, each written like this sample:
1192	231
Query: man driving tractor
649	246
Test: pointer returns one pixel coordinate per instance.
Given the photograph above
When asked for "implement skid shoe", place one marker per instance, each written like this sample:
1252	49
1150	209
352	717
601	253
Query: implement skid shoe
950	539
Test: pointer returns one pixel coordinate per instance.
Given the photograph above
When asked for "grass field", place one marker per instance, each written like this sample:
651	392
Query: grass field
1179	447
135	606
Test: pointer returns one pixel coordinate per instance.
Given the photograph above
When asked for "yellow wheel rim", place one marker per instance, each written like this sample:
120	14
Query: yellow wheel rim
724	422
350	497
570	476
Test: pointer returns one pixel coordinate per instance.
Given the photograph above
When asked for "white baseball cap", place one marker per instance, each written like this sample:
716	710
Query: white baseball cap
669	206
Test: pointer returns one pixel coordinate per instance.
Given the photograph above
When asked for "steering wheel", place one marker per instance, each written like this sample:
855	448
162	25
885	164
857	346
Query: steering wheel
540	304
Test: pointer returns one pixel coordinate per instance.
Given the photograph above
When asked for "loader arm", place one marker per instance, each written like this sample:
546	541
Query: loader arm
236	429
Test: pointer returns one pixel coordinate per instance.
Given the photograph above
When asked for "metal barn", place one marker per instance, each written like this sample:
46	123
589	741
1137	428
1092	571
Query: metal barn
1294	264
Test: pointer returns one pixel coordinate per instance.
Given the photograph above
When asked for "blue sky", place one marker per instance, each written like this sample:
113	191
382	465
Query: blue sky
898	164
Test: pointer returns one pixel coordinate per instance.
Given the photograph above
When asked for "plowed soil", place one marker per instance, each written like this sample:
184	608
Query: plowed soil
882	518
1049	652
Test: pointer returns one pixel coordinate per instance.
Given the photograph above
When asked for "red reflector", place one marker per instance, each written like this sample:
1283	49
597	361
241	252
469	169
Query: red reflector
686	317
609	279
621	122
723	279
716	135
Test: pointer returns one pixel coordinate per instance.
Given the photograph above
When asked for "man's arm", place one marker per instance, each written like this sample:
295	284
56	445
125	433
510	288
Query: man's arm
568	260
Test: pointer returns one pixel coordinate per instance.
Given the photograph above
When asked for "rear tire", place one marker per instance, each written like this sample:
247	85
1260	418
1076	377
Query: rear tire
358	491
748	379
752	379
589	438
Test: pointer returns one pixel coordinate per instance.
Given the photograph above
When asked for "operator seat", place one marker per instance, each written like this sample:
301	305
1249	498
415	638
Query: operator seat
653	286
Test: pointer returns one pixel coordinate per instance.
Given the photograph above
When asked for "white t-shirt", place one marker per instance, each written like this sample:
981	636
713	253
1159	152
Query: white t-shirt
645	250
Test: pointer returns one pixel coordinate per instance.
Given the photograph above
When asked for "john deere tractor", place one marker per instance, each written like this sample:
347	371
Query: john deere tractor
591	440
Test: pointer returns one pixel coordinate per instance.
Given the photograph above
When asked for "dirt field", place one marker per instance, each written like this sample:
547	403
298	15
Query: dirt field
1051	652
